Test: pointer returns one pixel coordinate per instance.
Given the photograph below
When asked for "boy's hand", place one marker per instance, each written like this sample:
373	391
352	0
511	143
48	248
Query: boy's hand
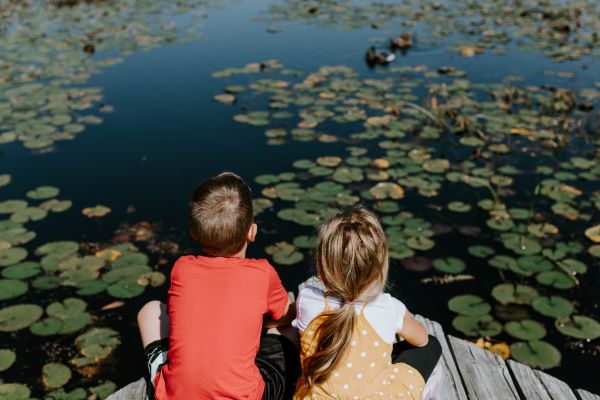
288	315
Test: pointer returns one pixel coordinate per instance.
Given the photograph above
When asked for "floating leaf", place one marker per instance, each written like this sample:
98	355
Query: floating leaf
593	233
55	375
525	330
469	305
96	211
449	265
11	288
552	306
507	293
12	256
578	326
556	279
477	326
7	358
480	251
536	354
14	318
284	253
43	192
46	327
14	391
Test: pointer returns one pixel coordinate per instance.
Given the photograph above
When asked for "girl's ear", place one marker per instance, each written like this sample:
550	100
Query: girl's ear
252	233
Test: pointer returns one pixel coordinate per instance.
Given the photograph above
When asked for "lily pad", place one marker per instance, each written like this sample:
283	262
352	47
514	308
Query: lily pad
21	270
507	293
28	214
46	327
96	211
7	358
525	330
477	326
449	265
553	306
480	251
14	318
12	256
469	305
14	391
578	326
43	192
11	288
55	375
284	253
536	354
556	279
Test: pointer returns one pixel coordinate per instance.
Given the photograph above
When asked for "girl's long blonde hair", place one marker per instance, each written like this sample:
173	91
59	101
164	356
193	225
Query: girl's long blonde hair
352	262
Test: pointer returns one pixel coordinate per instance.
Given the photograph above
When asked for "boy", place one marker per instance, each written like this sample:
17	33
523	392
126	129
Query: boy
211	327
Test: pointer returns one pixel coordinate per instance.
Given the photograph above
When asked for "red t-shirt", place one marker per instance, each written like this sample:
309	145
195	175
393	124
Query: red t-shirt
216	307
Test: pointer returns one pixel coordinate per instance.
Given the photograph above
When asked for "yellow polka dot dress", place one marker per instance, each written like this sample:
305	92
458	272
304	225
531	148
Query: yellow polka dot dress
367	371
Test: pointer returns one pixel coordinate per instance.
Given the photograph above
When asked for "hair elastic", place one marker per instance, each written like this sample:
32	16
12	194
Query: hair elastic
348	302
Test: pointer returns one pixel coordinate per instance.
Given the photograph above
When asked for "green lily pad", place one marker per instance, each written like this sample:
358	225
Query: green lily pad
11	288
28	214
477	326
507	293
91	288
125	289
459	206
47	282
12	206
43	192
525	330
7	358
61	394
553	306
60	247
578	326
284	253
420	243
449	265
14	318
55	375
131	259
556	279
14	391
46	327
536	354
480	251
305	242
103	390
56	205
12	256
469	305
522	245
502	261
23	270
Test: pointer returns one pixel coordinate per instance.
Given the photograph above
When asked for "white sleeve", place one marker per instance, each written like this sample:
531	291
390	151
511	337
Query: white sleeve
308	305
399	312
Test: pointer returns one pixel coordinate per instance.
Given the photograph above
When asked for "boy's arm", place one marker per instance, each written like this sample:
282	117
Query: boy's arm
288	316
413	332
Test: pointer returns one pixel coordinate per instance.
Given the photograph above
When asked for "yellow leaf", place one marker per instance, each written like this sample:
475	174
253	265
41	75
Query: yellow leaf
109	254
520	131
593	233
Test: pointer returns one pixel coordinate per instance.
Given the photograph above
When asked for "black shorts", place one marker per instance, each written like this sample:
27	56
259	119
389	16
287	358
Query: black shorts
278	361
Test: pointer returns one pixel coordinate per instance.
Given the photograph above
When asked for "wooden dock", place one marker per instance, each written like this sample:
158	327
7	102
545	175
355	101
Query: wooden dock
469	373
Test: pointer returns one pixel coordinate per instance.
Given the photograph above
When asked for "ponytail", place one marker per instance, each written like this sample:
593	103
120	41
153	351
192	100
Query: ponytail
352	261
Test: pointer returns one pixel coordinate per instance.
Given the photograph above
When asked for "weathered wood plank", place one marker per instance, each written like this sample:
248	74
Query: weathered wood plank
585	395
134	391
485	374
537	385
452	386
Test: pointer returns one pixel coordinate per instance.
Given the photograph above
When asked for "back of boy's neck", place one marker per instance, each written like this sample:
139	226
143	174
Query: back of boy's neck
240	254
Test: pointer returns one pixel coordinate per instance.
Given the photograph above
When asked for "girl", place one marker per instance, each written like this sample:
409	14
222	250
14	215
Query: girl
348	325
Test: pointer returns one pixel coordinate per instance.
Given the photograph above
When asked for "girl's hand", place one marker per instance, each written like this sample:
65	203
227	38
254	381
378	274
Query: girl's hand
413	332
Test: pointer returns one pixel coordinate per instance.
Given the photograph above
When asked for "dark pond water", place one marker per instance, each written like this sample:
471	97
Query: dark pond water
167	134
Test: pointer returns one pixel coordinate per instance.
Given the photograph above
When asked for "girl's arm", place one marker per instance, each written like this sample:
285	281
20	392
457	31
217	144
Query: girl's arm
413	332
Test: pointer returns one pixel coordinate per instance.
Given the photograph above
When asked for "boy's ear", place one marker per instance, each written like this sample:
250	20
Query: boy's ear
252	233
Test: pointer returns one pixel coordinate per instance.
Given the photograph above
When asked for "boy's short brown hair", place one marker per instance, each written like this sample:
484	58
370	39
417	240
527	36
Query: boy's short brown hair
220	214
